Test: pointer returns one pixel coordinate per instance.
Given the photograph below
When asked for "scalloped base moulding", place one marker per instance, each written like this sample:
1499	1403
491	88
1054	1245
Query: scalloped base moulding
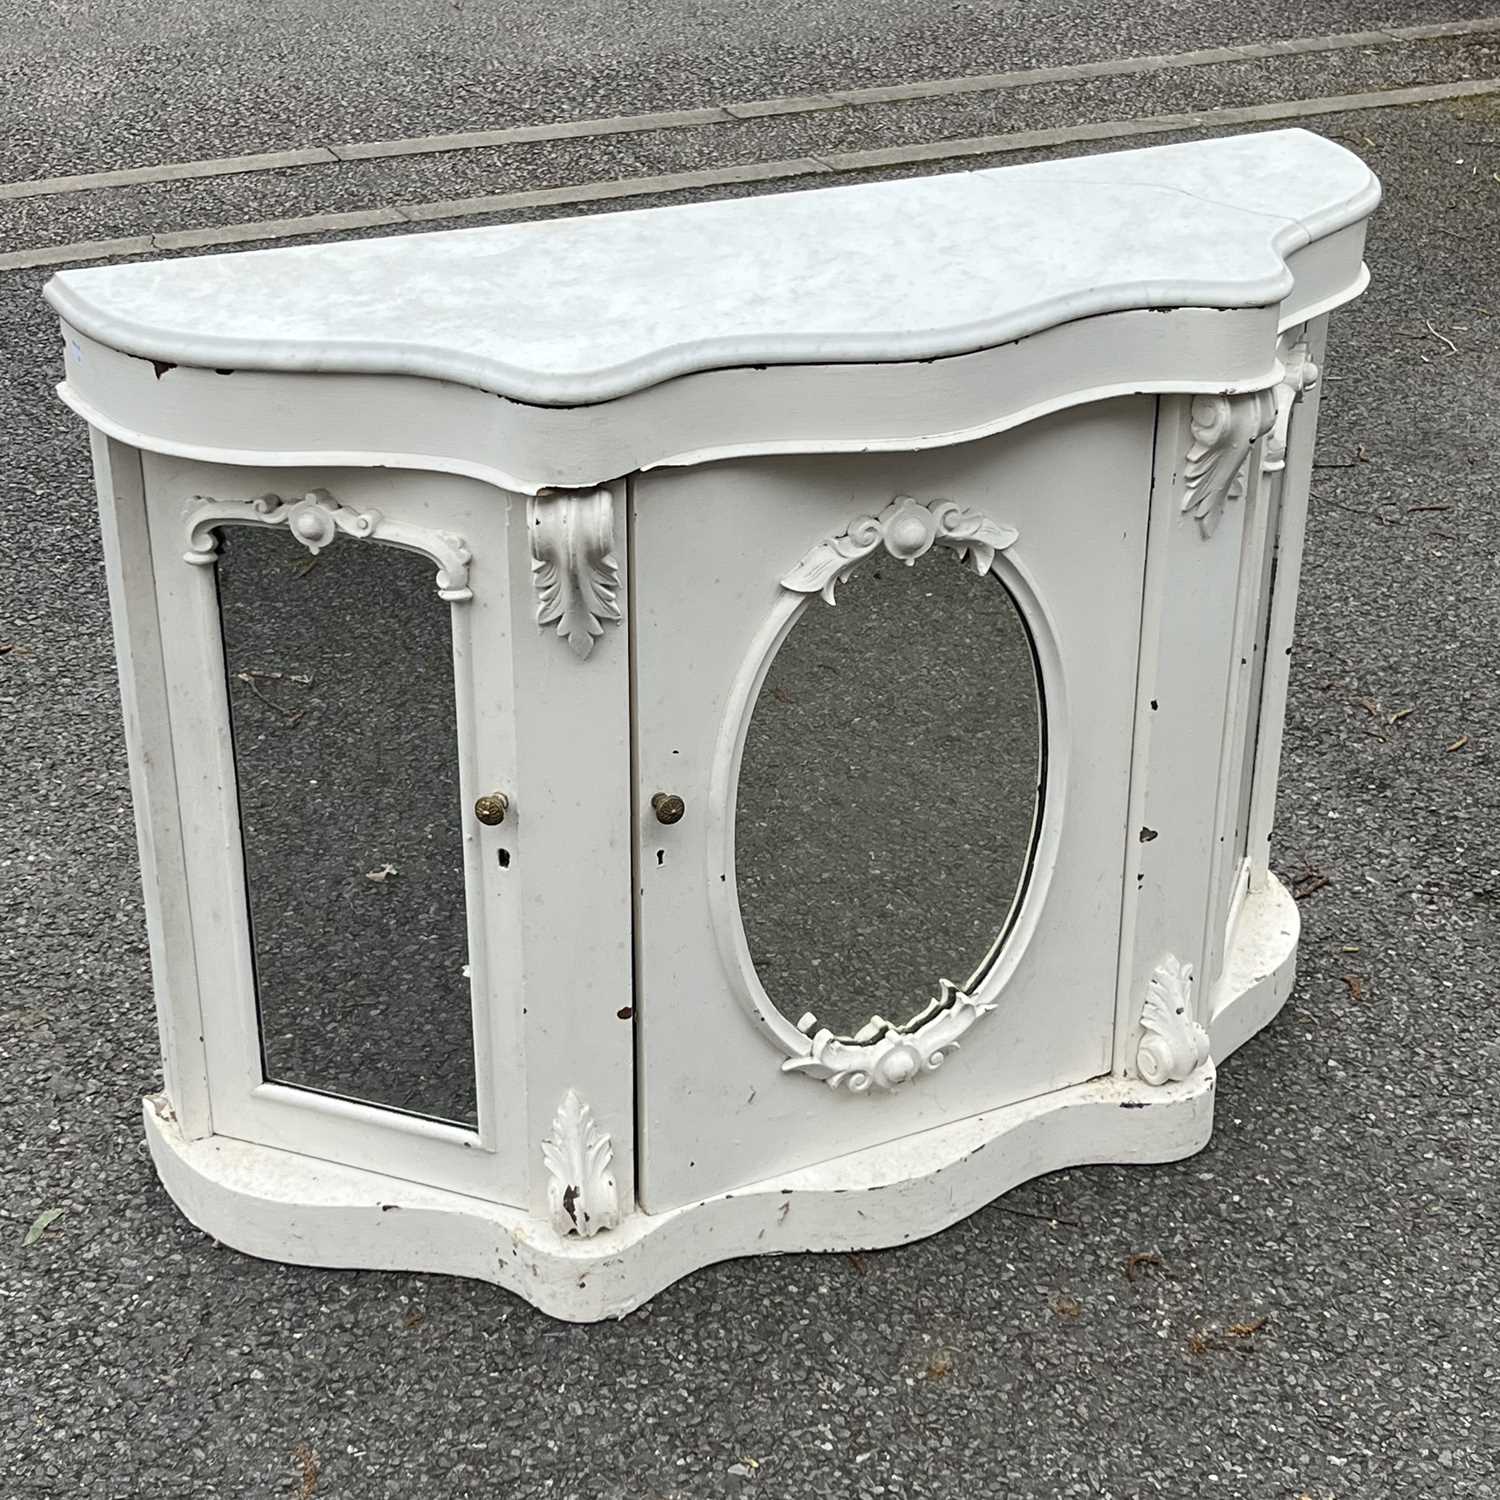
283	1206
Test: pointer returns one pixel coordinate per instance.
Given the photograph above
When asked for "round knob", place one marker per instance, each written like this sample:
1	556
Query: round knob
668	806
491	809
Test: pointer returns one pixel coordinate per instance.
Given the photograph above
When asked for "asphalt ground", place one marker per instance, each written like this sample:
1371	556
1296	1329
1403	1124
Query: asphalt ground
124	82
1306	1308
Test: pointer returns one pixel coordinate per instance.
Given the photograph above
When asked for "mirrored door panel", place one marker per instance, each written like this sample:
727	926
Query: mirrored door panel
340	682
888	699
339	654
399	786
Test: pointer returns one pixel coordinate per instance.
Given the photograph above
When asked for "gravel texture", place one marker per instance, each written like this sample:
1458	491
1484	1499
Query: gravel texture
1315	1313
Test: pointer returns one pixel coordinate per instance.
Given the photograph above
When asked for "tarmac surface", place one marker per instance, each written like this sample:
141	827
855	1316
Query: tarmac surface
1306	1308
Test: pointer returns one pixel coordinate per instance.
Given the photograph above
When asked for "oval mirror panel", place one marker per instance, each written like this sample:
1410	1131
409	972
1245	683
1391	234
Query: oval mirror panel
889	792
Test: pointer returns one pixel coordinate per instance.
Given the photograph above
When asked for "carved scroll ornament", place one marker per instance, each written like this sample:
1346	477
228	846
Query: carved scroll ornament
316	520
883	1056
907	529
1301	376
573	566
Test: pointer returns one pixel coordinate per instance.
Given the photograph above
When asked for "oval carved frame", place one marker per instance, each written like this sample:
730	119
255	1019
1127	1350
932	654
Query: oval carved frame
884	1055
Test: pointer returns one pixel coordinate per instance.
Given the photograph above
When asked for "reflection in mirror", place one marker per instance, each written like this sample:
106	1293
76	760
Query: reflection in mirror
888	793
340	671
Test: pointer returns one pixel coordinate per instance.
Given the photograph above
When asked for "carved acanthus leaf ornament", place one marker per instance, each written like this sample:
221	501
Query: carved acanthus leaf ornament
581	1193
1172	1042
573	565
1224	430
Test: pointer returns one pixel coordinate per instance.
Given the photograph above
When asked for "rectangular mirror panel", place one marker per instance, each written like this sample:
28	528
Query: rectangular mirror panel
340	676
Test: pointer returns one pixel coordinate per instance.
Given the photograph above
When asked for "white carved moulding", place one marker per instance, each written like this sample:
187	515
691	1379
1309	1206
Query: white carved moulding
1172	1042
882	1056
1224	430
907	529
316	520
573	566
1301	376
581	1193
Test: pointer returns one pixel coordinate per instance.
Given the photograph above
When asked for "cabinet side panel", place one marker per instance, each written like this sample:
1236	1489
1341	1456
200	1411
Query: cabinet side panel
1188	626
1240	711
1296	479
153	783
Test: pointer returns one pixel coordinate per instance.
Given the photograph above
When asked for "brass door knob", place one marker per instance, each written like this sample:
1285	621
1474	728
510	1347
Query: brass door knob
668	806
491	809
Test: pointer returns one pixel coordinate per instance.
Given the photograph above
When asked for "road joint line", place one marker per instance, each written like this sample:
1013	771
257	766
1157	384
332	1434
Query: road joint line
708	115
831	164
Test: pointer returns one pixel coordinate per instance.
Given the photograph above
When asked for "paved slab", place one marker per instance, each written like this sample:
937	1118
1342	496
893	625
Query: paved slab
1349	1198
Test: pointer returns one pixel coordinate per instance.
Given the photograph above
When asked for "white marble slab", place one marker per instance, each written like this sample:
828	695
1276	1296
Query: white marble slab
581	310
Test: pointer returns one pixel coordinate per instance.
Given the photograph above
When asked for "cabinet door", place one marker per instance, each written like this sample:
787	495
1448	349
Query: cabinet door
377	842
892	898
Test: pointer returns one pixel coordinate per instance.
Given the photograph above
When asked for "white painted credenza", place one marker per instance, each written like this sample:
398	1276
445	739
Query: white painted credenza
531	853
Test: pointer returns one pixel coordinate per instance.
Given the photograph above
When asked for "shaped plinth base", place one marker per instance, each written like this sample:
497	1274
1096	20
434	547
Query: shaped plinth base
282	1206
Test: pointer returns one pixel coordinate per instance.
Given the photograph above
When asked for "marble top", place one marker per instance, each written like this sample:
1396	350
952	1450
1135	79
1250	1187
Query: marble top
580	310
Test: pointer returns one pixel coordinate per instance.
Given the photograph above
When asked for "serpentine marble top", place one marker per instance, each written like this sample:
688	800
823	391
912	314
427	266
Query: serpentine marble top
580	310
